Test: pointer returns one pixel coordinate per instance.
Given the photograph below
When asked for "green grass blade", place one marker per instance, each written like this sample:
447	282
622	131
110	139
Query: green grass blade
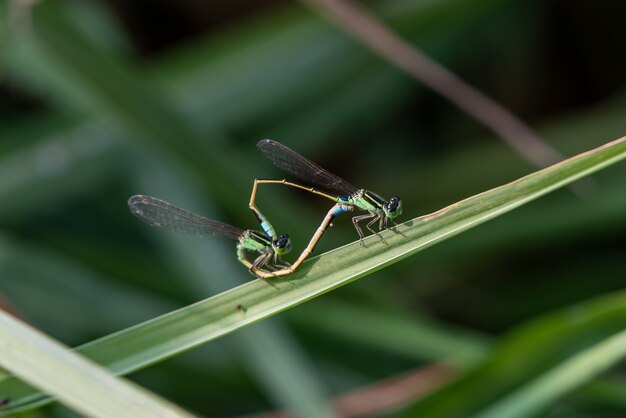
75	381
196	324
525	354
537	394
608	391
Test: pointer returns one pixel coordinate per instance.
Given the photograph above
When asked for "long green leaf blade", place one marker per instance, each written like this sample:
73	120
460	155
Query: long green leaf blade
539	393
75	381
196	324
530	353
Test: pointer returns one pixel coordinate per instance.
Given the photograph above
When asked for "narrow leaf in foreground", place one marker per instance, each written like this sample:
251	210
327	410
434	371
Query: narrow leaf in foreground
528	354
536	395
74	380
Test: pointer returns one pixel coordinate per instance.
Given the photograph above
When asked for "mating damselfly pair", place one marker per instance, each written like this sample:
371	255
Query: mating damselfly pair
269	245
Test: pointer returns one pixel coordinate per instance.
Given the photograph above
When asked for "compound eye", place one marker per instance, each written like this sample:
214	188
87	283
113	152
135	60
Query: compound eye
394	203
282	241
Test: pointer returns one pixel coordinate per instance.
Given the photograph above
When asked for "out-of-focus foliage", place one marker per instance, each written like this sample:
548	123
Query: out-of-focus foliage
103	99
168	335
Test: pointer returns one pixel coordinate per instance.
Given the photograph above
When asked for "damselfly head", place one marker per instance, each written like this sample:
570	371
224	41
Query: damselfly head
282	244
393	208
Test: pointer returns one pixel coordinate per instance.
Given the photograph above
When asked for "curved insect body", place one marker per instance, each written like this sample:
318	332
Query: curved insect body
336	210
161	214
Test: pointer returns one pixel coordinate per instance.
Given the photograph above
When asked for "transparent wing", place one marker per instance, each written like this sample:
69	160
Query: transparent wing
290	161
161	214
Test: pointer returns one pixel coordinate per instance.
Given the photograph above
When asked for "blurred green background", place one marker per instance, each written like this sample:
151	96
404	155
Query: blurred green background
103	99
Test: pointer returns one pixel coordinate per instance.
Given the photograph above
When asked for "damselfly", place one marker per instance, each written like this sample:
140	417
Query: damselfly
268	244
350	198
377	208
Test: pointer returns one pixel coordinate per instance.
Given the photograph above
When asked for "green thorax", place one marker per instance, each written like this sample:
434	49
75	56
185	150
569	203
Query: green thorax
367	201
255	241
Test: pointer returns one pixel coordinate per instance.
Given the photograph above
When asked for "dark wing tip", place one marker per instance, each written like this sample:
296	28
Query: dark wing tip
138	203
266	143
135	201
138	198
